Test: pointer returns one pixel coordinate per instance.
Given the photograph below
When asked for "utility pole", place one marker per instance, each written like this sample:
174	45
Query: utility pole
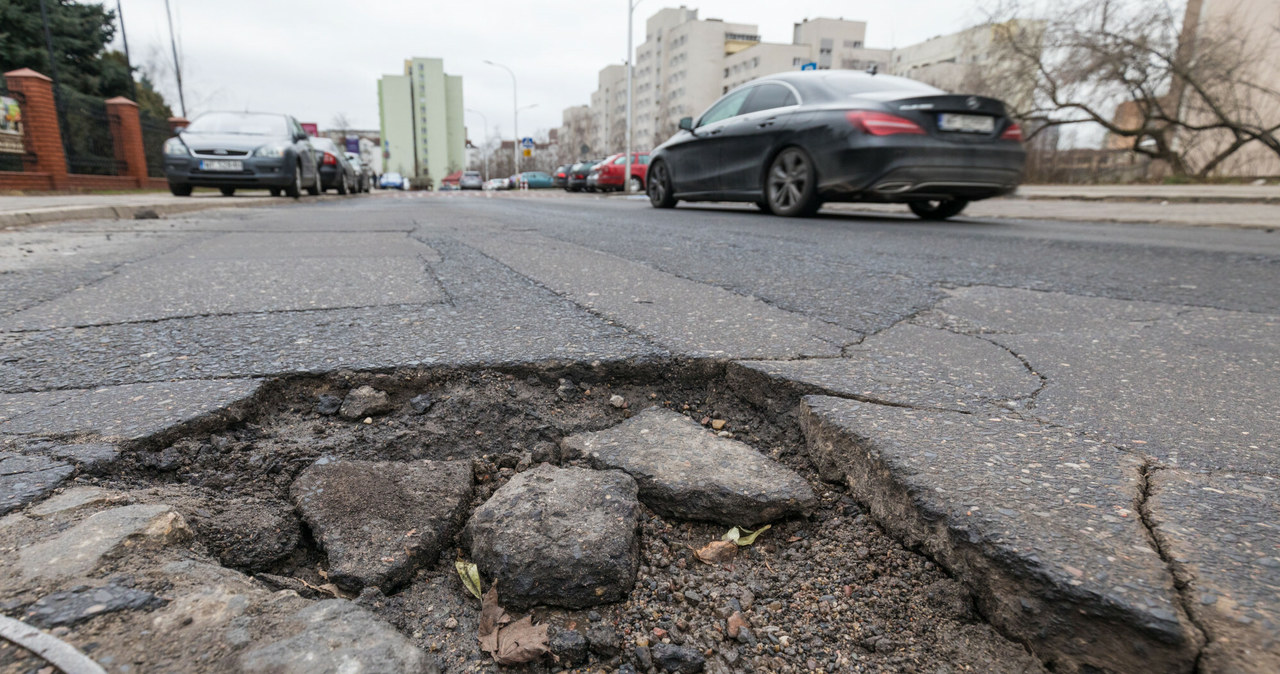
128	63
631	10
177	67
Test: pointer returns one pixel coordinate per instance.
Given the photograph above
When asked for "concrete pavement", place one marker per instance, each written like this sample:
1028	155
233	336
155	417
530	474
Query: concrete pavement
1075	419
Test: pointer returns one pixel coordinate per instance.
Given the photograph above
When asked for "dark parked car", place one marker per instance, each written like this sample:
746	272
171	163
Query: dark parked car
790	142
364	177
560	176
335	170
471	180
577	179
234	150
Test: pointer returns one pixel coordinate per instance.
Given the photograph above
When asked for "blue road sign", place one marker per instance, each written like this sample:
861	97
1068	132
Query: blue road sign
526	142
809	66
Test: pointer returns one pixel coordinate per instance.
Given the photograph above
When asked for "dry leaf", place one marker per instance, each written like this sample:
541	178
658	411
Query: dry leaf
470	576
744	537
510	643
716	552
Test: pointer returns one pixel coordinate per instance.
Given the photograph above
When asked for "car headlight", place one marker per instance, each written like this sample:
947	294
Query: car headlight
175	148
271	151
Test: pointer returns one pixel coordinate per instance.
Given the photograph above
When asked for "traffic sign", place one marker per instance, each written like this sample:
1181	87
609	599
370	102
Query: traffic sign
528	152
809	66
526	143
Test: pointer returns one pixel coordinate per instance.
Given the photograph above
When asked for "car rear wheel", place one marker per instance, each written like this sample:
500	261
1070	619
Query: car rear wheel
317	188
227	191
637	185
275	191
295	190
940	209
180	190
342	185
661	195
791	185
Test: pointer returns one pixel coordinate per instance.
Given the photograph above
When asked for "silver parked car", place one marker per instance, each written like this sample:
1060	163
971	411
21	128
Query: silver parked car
471	180
242	150
364	178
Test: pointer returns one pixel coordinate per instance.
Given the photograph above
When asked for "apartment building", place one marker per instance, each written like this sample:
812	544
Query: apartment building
421	123
826	43
1252	27
609	109
968	61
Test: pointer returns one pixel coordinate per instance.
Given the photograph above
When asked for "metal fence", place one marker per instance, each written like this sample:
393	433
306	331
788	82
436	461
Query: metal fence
155	131
10	161
86	133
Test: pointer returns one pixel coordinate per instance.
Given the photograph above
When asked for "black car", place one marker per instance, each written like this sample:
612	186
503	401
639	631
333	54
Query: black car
576	181
560	176
790	142
231	150
335	169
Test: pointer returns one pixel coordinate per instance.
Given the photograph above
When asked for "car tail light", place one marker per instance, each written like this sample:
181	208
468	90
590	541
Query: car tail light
1014	132
882	124
329	159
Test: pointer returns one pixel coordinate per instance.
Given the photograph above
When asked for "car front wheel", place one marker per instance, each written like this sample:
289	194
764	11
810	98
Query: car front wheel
637	185
180	190
938	209
317	188
661	194
295	190
791	185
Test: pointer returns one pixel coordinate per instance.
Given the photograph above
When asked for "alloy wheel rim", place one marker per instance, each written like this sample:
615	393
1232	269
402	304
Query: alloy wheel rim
658	186
788	180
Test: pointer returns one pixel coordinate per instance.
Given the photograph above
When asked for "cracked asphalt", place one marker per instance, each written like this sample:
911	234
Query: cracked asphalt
1077	419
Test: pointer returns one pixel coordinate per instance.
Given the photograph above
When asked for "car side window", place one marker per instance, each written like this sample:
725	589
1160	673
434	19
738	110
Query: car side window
620	160
729	106
768	97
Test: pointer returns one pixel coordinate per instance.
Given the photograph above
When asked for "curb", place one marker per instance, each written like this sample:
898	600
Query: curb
131	212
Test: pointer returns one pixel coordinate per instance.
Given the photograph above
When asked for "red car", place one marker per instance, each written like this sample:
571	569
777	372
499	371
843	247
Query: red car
610	171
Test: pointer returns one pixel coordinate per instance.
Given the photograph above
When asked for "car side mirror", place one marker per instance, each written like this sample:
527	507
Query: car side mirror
686	124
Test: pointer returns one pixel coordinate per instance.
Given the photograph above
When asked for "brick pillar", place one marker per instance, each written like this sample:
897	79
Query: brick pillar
177	124
126	136
40	121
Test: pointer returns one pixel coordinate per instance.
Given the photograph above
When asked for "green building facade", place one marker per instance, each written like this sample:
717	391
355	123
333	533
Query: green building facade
421	117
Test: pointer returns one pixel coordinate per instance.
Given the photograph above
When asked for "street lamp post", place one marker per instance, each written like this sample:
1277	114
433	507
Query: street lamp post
515	115
631	10
486	140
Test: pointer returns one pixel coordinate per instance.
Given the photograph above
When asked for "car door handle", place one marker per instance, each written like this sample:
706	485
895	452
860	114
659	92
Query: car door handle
768	122
714	132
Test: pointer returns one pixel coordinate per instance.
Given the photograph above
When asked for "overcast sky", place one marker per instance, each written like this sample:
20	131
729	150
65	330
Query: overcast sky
316	59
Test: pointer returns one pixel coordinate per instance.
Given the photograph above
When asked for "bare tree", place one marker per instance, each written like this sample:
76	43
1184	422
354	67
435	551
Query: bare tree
1189	98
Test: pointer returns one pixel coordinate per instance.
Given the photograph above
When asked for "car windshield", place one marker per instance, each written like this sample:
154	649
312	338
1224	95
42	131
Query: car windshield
240	123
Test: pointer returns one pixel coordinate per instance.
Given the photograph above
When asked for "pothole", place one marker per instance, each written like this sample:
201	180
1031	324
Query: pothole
829	592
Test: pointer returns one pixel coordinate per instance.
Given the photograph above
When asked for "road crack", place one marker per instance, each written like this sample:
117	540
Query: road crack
1178	573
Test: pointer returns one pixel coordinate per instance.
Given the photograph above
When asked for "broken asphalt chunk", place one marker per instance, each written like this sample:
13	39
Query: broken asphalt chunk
685	472
559	536
379	520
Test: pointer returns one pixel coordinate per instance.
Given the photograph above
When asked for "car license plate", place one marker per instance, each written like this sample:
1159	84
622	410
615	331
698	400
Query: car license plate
966	123
221	165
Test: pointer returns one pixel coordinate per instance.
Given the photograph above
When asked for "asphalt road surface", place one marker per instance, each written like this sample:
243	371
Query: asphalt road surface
1077	419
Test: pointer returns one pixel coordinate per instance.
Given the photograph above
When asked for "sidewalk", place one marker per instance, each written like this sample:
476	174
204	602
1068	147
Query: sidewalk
18	211
1172	193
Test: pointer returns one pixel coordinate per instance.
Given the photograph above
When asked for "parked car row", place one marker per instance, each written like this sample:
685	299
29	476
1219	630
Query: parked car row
603	175
254	150
533	180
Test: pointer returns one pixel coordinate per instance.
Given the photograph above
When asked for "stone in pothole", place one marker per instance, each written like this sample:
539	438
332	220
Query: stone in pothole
24	479
559	536
379	520
685	472
365	401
